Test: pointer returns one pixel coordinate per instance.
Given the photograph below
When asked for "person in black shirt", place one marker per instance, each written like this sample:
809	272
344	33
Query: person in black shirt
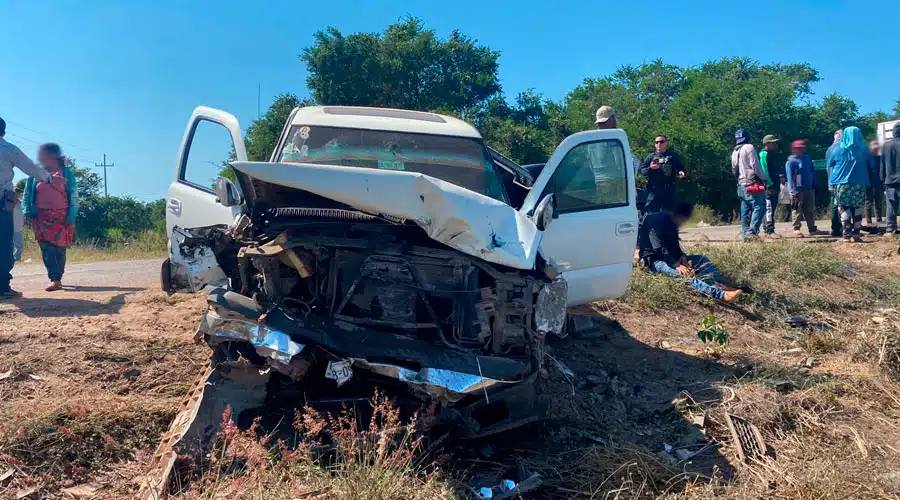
875	192
660	250
661	168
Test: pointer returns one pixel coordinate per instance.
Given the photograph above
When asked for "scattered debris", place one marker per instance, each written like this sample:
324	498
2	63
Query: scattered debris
5	375
849	270
793	350
26	493
34	377
595	438
699	420
664	345
810	362
82	490
878	319
507	488
340	371
747	440
6	475
797	322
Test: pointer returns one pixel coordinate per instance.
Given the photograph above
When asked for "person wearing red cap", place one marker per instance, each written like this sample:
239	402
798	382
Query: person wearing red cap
801	182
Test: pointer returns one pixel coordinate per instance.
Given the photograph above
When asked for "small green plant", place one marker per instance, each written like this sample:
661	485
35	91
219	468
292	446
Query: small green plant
710	330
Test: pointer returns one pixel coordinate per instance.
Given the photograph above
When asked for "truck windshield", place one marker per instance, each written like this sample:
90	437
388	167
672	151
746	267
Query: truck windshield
458	160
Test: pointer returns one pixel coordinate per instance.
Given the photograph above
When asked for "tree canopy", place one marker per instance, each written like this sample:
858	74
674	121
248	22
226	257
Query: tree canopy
699	107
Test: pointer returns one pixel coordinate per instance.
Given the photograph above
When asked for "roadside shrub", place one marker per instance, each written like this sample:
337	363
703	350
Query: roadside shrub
704	215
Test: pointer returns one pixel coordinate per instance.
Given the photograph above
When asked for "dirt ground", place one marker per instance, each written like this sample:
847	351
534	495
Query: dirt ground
90	379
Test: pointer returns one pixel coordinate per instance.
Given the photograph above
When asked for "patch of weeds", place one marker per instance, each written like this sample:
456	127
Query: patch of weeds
764	266
813	301
884	291
73	442
777	377
334	457
822	342
711	331
655	291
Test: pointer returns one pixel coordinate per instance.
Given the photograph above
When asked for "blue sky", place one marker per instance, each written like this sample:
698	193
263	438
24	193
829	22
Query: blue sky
122	77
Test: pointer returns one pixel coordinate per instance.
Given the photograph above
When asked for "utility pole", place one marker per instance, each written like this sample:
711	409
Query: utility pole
104	165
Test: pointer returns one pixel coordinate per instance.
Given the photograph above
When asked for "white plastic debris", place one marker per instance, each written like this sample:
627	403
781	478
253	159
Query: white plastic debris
340	371
485	492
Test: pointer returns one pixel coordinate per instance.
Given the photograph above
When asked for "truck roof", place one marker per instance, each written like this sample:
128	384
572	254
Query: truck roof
399	120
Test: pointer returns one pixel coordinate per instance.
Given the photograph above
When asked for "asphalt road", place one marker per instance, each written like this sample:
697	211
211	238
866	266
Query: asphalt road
95	276
731	233
100	276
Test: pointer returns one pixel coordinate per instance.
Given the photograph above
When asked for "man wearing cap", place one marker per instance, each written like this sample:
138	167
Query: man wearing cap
608	181
661	168
802	183
772	162
751	185
606	118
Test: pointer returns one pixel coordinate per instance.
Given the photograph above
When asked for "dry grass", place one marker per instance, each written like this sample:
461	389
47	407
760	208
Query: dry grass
147	245
824	398
331	458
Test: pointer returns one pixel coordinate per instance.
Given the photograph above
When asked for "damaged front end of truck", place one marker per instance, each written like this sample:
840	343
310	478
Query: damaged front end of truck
335	279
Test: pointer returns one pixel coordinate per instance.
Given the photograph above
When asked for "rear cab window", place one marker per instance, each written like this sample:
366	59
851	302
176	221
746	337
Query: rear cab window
462	161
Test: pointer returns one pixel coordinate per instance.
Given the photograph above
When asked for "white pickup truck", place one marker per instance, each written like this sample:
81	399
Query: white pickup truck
591	239
394	245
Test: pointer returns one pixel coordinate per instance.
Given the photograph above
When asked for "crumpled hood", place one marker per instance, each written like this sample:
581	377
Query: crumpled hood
467	221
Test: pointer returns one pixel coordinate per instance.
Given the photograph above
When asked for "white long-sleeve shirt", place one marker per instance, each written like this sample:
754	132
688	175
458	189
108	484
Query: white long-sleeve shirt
11	158
746	160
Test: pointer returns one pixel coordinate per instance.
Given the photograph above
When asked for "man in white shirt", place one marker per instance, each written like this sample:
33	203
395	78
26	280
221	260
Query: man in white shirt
751	187
11	158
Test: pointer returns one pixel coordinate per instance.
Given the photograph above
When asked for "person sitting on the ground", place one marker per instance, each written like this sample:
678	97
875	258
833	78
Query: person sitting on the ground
660	251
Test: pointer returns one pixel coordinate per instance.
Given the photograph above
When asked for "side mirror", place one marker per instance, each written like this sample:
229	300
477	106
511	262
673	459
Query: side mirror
545	212
227	193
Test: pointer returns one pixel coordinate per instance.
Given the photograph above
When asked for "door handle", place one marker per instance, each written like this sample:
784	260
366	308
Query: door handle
175	206
623	228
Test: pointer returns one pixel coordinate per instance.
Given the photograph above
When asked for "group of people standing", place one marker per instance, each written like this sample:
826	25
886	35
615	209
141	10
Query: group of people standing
48	203
861	178
763	177
858	176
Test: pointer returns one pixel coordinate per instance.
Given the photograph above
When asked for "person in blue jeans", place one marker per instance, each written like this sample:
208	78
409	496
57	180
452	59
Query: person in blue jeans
751	189
660	251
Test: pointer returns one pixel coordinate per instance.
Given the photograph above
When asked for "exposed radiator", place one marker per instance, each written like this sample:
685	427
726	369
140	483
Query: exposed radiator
330	213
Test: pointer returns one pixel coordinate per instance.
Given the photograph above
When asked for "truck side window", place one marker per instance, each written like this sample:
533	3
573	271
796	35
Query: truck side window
210	147
591	176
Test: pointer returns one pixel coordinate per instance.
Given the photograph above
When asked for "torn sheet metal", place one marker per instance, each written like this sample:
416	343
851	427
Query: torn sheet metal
268	342
194	263
550	310
448	384
467	221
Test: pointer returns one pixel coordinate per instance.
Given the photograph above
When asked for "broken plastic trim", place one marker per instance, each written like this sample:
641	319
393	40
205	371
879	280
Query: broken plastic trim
448	384
193	262
268	342
550	309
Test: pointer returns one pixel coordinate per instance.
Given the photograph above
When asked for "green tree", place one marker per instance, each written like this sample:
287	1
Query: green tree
406	66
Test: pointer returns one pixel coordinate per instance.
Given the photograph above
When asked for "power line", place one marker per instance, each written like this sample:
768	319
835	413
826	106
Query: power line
42	134
32	142
104	165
